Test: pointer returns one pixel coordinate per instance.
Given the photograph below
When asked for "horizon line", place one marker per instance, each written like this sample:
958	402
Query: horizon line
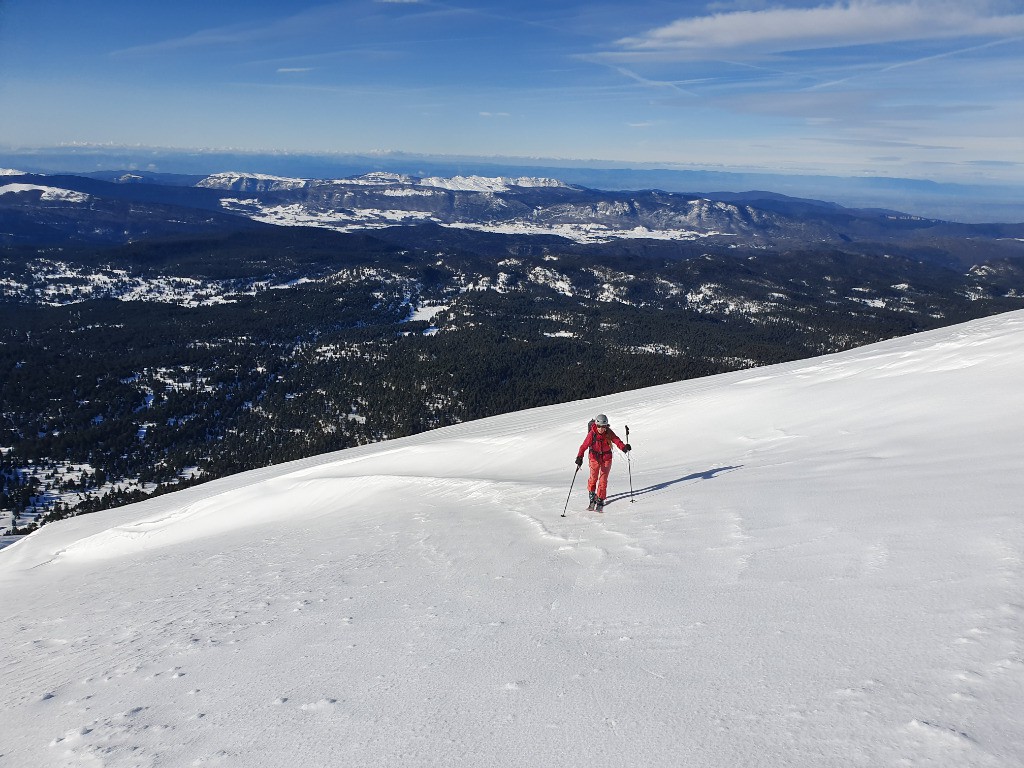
507	160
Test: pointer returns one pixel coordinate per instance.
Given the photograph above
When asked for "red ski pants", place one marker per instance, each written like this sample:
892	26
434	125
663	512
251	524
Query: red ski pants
599	475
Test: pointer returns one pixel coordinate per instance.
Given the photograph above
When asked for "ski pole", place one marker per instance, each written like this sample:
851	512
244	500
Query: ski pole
570	490
629	463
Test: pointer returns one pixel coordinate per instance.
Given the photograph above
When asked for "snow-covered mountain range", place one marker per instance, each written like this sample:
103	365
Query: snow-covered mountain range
114	208
514	206
245	182
812	564
376	200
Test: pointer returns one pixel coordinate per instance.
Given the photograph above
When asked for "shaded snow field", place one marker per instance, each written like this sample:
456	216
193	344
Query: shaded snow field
821	565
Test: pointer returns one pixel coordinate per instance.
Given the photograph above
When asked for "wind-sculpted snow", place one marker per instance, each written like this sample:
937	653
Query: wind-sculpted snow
813	564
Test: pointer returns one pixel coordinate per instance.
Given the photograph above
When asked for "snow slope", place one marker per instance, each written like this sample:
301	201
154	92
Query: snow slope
821	566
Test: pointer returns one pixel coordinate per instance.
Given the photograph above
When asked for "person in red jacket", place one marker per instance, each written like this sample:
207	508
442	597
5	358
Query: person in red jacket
599	441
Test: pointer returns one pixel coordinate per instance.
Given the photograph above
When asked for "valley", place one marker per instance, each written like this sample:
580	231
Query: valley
133	366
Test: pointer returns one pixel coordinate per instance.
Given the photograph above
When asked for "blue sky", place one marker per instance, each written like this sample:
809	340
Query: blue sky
926	89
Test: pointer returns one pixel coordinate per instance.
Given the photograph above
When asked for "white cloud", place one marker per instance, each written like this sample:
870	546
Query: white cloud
861	22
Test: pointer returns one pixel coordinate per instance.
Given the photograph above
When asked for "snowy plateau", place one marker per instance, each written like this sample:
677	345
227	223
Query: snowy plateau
815	564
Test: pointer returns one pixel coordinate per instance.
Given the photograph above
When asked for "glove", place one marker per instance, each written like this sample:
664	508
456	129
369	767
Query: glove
579	461
627	448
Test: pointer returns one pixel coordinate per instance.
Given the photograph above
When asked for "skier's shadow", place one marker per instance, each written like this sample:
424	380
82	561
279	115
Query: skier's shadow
709	474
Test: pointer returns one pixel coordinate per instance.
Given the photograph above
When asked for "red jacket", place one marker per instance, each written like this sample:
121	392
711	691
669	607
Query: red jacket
600	445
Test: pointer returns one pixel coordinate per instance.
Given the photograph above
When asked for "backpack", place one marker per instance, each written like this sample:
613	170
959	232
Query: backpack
592	430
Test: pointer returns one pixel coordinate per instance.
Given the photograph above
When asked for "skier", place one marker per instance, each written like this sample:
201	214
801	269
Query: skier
599	440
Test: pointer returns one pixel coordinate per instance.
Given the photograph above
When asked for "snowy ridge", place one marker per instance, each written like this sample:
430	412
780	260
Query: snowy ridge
375	178
53	194
452	183
264	182
487	184
251	182
821	566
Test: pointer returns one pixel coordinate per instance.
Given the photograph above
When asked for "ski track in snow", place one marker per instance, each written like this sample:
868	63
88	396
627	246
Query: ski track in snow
821	564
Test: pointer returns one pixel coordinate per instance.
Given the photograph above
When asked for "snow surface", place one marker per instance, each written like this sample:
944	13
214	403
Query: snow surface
822	565
377	178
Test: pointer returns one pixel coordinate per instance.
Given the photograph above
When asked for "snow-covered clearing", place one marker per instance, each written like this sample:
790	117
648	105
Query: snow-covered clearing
427	312
822	565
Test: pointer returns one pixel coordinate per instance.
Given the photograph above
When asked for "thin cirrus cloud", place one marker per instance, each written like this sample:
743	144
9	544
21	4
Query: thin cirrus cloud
208	38
778	30
916	62
294	26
